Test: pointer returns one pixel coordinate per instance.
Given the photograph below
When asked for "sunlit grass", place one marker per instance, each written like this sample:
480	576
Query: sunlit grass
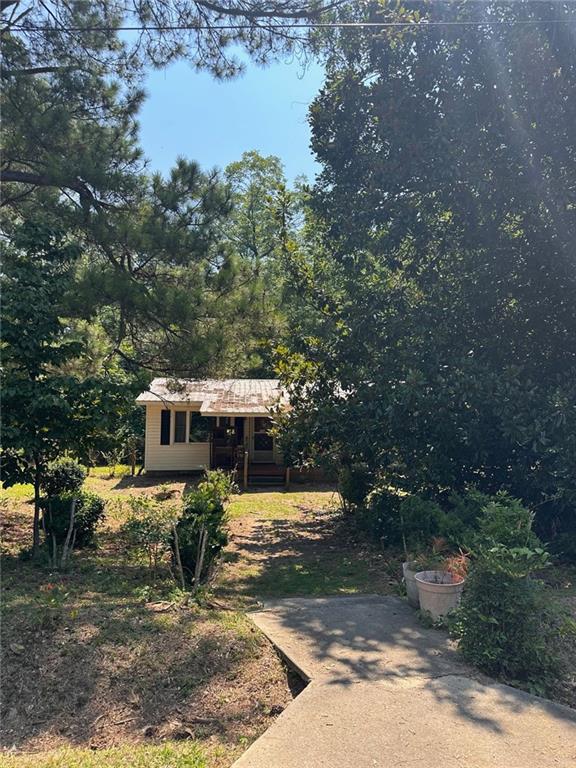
172	755
19	492
272	505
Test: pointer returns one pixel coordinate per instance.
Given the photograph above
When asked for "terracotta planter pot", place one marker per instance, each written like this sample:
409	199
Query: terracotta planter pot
438	592
411	586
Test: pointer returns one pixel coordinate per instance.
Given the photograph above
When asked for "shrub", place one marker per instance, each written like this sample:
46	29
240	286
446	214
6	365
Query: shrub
506	522
354	485
563	548
407	521
201	532
378	519
505	625
89	511
463	516
61	477
148	529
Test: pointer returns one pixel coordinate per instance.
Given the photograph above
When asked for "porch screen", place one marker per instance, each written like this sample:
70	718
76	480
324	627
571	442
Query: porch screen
200	427
165	427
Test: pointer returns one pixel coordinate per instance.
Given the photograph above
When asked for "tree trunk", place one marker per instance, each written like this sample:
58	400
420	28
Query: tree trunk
36	523
177	556
69	536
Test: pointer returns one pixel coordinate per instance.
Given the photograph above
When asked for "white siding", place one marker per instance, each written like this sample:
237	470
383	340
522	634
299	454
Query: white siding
176	457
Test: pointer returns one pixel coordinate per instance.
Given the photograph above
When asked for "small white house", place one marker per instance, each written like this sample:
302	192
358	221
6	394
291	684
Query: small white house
196	425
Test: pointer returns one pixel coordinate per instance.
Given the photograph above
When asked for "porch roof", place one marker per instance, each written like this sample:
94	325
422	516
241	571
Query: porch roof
218	397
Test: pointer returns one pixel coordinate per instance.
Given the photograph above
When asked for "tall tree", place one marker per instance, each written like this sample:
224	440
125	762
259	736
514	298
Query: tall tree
264	217
46	409
444	345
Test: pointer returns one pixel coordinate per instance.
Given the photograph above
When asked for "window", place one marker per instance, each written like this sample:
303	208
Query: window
200	428
262	424
180	426
263	441
165	428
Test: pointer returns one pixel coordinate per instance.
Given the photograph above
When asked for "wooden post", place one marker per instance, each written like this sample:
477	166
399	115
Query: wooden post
133	462
287	482
245	470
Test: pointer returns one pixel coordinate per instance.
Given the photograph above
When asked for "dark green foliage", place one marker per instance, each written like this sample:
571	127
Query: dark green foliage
378	518
88	513
64	476
563	548
354	482
203	518
505	624
90	510
407	521
468	506
435	333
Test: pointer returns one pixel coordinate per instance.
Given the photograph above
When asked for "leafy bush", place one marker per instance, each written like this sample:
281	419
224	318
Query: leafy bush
354	485
65	476
89	511
200	531
378	518
467	508
505	625
407	521
506	522
148	530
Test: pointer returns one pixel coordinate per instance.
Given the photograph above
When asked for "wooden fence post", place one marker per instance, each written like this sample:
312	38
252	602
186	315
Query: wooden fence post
245	470
287	482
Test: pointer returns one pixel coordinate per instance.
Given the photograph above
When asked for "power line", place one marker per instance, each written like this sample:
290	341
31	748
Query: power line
296	25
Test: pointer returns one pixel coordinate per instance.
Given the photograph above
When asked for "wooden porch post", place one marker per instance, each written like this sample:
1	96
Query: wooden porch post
245	470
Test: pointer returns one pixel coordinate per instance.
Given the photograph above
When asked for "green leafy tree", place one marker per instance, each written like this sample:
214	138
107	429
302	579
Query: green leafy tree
264	218
436	341
45	411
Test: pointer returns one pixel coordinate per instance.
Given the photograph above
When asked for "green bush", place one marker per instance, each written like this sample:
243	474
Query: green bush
354	484
394	520
378	519
201	528
505	625
65	476
88	512
148	529
506	522
467	508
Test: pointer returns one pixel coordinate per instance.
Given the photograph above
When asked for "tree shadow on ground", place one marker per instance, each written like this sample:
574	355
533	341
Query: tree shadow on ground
310	554
343	641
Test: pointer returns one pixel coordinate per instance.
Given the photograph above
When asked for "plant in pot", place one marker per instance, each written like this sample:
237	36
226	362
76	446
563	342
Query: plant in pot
423	561
416	563
440	588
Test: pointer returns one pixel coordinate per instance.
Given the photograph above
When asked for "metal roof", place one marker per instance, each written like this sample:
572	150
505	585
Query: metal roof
217	397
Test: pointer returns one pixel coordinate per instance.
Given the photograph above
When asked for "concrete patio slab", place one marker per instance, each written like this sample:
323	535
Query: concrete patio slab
386	693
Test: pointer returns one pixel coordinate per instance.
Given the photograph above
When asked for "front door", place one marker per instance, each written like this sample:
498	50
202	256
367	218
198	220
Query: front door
262	441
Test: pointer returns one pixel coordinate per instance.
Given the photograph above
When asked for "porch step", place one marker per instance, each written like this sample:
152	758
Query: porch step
266	479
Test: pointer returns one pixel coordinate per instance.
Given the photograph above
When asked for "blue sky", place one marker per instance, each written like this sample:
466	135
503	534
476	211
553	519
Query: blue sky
193	115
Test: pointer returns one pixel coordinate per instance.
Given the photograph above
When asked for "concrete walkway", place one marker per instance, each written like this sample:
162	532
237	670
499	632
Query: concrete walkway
386	693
